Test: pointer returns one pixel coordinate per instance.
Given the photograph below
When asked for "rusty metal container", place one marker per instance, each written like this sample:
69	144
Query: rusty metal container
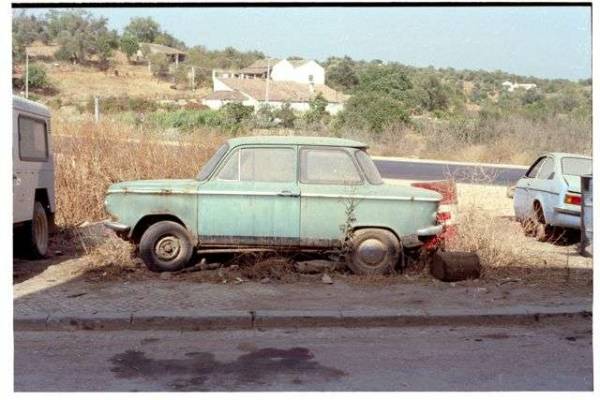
587	217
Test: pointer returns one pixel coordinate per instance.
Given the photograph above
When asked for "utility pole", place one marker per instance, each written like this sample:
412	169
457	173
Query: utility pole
193	79
26	74
268	78
96	109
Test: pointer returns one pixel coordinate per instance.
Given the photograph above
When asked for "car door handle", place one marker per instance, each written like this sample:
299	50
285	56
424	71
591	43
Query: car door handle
288	193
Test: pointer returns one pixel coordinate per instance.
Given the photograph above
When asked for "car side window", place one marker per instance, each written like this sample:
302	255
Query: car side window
268	165
260	165
333	166
33	139
535	168
546	171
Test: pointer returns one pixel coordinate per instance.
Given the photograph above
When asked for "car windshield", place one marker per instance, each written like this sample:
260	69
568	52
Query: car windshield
576	166
212	163
369	168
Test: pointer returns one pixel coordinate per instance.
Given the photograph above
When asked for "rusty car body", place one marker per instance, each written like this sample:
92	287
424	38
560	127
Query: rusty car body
276	192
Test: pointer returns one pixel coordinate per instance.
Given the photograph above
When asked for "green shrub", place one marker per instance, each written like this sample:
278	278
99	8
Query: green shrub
120	104
38	78
234	114
373	112
185	119
286	115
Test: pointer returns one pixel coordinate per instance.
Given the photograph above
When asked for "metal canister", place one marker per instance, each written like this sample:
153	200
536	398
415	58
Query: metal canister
586	247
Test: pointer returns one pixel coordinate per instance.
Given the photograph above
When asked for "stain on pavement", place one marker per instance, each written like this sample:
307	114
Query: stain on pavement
200	371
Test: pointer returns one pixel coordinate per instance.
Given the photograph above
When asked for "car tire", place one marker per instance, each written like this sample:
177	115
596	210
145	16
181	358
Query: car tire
528	224
373	252
542	231
166	247
37	232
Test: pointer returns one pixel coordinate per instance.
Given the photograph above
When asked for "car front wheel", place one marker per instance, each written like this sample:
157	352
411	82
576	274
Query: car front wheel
373	251
165	247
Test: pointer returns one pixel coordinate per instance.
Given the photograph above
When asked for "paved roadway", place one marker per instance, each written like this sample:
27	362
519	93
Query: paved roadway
485	174
529	357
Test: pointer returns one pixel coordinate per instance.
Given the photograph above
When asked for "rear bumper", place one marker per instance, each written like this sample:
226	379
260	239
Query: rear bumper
430	231
569	211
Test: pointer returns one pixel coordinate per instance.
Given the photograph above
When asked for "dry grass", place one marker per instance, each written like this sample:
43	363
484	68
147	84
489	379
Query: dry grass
510	140
89	157
76	83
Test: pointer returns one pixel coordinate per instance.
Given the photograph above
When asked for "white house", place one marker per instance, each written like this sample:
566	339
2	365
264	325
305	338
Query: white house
509	86
256	92
302	71
296	82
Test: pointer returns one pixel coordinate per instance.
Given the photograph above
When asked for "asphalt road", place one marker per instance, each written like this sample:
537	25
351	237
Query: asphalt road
531	357
462	173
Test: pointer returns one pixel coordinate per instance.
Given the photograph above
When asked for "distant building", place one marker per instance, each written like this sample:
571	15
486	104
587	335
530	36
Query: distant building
302	71
509	86
174	55
274	82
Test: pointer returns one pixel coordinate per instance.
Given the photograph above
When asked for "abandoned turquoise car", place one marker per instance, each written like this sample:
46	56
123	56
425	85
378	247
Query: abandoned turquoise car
284	193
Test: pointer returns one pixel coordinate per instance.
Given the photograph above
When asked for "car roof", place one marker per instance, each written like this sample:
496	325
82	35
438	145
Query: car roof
563	155
296	140
26	105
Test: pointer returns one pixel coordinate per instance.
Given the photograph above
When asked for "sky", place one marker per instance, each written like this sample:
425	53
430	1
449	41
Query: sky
541	41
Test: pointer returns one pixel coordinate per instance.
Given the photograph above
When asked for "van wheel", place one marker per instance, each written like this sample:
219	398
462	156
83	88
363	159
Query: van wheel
37	232
165	246
373	251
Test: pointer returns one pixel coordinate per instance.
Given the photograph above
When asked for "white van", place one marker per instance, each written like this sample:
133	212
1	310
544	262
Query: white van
33	176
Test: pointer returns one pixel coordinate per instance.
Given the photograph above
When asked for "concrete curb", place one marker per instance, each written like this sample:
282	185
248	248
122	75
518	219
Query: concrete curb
229	320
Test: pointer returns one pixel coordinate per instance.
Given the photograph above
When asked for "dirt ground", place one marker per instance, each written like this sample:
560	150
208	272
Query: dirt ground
506	254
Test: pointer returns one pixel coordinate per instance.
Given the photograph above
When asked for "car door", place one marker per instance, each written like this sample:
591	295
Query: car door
544	188
252	199
521	199
329	179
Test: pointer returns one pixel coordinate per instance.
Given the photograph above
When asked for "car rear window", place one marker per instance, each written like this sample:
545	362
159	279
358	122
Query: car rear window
212	163
369	168
576	166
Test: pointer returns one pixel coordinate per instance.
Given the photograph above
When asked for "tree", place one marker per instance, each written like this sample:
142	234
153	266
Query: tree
384	79
144	30
342	75
80	35
129	45
436	96
25	30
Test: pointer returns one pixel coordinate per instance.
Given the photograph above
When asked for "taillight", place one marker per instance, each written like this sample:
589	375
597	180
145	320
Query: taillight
443	216
573	199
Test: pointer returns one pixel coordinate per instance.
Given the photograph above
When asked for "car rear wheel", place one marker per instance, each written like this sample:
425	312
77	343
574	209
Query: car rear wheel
373	252
542	231
165	247
37	232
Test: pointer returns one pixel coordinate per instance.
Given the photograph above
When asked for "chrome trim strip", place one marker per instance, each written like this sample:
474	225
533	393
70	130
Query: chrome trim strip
248	193
360	197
